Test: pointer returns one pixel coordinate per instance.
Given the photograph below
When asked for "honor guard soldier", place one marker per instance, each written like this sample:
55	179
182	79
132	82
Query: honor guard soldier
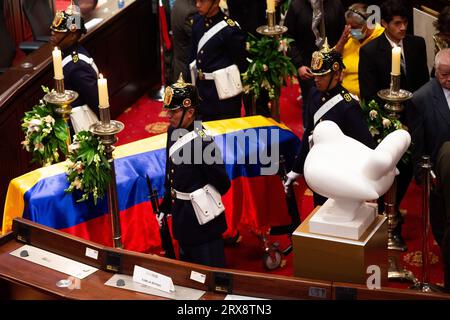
79	69
218	56
193	186
329	100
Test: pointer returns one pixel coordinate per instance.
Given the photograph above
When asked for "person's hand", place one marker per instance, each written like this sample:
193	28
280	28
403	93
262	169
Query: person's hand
291	177
305	73
339	47
160	218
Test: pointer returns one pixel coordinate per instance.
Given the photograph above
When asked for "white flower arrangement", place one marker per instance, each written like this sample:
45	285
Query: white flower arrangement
46	133
88	169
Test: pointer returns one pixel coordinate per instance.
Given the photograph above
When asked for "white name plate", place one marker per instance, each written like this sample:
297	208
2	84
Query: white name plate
238	297
153	279
126	282
92	23
54	261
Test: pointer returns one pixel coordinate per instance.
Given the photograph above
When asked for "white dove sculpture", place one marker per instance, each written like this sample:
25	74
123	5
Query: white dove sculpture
349	173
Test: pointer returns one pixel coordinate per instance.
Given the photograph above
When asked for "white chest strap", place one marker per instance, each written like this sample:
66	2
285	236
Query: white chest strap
211	33
327	106
83	57
188	137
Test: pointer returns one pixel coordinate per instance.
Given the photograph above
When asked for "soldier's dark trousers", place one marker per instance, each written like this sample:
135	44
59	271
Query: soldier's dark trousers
261	104
209	254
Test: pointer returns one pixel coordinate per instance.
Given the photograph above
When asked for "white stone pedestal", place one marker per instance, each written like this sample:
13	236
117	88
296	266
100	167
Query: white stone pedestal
324	223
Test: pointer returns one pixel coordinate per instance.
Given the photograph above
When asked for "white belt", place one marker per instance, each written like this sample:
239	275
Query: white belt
180	195
205	75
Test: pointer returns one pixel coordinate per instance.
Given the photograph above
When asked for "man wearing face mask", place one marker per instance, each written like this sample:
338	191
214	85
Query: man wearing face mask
357	33
199	241
218	56
328	100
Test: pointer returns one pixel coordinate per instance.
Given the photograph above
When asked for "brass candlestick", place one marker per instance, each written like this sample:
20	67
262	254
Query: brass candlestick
394	98
271	30
62	99
107	129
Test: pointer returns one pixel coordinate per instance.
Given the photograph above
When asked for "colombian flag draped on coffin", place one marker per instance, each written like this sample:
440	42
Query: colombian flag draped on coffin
254	198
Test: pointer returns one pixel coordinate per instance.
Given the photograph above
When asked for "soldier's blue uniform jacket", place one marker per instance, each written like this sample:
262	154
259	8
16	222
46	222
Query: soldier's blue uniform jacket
347	114
227	47
81	77
188	177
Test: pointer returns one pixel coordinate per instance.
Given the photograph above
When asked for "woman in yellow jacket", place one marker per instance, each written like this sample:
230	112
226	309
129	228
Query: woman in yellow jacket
357	33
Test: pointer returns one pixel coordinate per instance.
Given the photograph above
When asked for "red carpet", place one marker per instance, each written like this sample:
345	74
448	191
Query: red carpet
145	118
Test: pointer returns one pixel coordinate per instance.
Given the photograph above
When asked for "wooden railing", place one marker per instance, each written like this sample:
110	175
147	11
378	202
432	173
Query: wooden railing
218	282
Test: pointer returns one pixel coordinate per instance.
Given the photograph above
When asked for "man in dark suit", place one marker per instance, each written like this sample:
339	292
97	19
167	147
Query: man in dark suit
430	132
374	72
181	20
250	14
375	58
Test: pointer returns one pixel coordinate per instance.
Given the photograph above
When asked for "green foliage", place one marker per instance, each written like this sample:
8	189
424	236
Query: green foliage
88	169
381	123
269	66
284	6
46	133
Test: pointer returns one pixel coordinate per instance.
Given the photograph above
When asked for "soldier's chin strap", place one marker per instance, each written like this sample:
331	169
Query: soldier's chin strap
182	118
330	81
210	7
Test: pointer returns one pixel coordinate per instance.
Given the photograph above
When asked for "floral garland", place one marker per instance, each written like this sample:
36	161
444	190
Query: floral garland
46	133
381	123
88	168
269	66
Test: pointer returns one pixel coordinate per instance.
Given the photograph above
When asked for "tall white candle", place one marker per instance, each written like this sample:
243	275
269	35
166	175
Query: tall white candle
103	99
57	64
270	5
396	54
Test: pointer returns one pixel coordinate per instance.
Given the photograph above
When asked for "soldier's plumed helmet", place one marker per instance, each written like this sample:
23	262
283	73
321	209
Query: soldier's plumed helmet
68	20
326	60
181	95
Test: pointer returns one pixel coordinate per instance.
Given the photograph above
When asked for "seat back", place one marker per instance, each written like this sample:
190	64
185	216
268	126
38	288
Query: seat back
40	16
7	46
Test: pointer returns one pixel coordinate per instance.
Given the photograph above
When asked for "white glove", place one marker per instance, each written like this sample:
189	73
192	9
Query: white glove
291	177
160	218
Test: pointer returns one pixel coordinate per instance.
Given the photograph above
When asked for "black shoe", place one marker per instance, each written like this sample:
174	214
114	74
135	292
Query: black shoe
232	240
399	240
